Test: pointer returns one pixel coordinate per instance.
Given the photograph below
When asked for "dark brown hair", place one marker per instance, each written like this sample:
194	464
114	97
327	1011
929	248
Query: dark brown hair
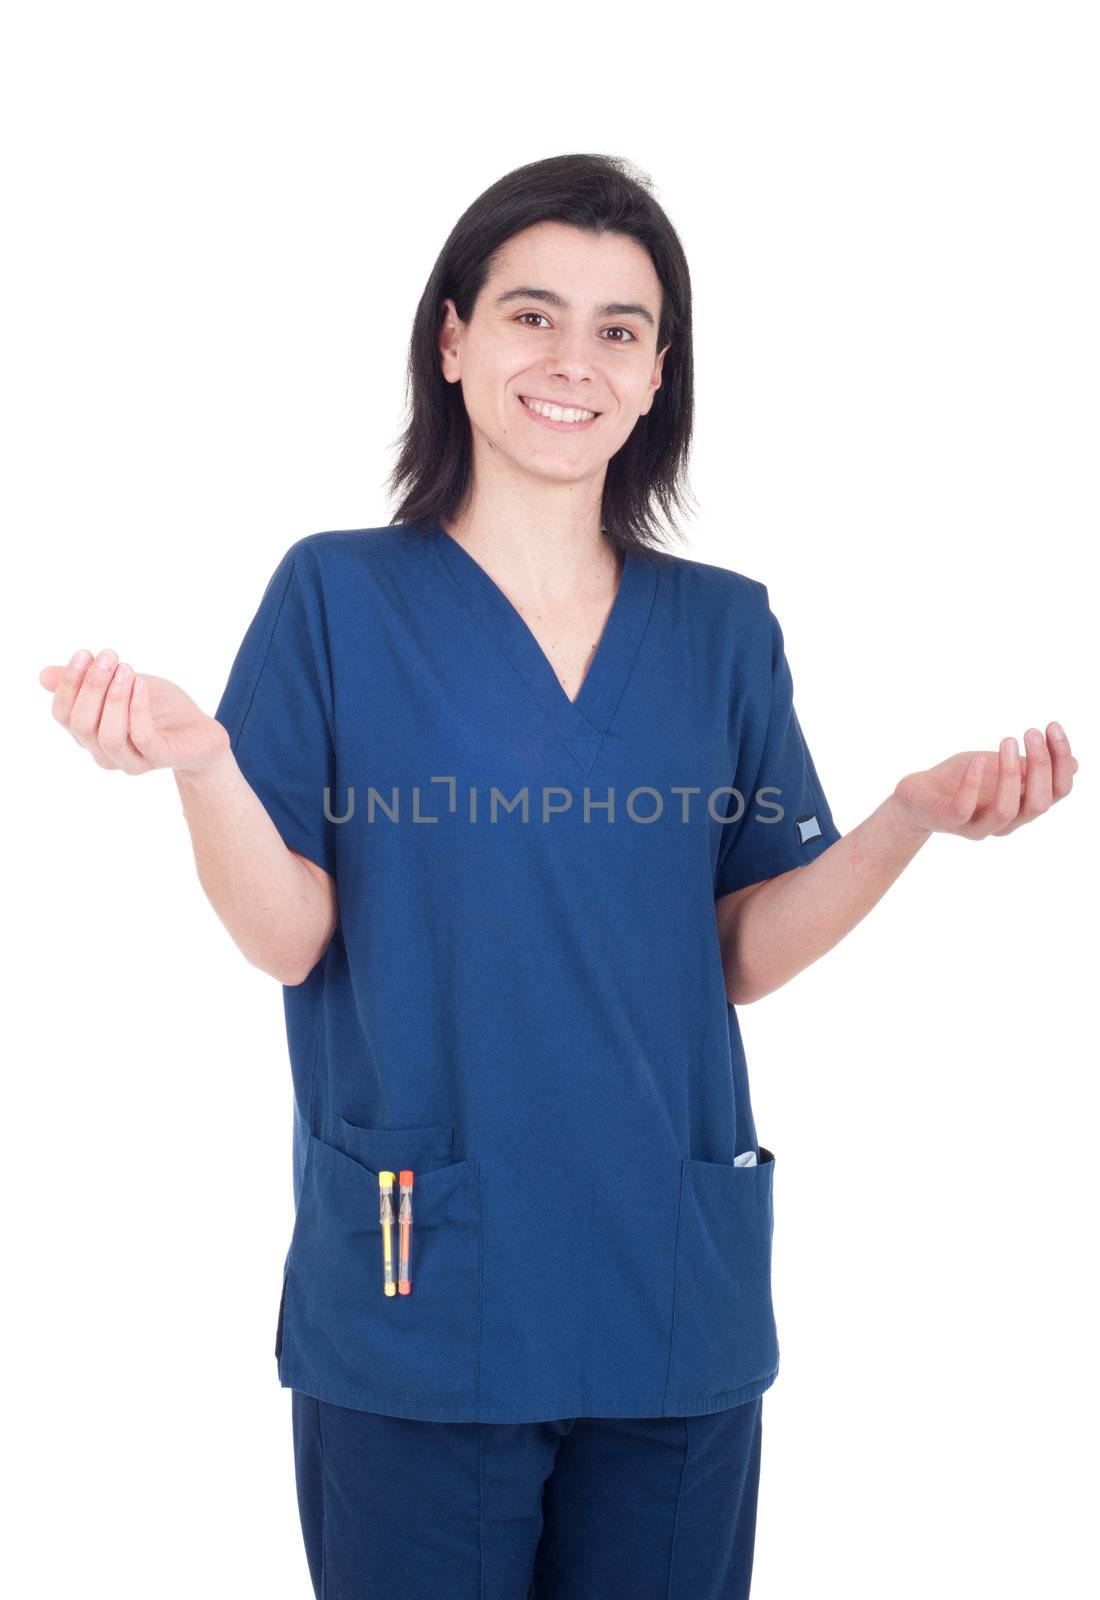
602	194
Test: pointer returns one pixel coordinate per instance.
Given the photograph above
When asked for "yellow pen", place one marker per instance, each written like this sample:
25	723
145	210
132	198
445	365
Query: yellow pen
385	1216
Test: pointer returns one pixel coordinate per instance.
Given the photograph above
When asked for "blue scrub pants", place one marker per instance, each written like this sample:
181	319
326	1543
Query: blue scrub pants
585	1508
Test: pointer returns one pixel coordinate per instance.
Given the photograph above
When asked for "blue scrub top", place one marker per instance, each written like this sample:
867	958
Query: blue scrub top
523	1000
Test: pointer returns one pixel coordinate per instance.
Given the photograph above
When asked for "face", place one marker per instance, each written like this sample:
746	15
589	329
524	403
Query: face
569	320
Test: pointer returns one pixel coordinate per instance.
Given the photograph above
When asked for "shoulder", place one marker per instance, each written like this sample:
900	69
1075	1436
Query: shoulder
708	581
345	566
338	548
702	591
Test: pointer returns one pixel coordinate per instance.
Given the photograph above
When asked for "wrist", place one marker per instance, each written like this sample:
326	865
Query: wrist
214	773
901	823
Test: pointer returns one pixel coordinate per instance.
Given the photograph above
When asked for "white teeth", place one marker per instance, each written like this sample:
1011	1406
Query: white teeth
558	413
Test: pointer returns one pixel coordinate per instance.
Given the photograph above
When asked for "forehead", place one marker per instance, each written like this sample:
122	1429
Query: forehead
585	267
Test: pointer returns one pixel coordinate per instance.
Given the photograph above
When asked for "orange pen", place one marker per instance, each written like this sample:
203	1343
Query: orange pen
404	1230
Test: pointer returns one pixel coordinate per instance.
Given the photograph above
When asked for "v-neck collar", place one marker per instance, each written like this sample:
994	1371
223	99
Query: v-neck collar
581	723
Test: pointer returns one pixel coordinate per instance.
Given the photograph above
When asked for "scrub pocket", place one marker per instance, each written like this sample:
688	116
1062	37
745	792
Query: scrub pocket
341	1337
723	1330
390	1149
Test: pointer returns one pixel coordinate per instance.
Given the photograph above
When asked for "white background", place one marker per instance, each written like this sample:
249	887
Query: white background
221	218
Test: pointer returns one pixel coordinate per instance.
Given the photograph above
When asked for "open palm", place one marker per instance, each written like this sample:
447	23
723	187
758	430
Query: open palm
981	792
133	725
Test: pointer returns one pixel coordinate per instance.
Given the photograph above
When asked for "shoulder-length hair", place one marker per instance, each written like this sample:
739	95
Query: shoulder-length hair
602	194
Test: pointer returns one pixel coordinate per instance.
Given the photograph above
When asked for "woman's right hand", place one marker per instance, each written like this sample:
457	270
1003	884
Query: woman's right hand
132	724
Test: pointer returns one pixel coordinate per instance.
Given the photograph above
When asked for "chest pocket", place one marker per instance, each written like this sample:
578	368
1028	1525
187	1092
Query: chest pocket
723	1330
340	1335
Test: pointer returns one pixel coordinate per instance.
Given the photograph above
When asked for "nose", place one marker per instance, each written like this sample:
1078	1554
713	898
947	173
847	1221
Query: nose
570	359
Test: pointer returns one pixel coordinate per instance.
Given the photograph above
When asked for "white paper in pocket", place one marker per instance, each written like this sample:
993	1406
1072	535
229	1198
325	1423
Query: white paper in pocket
748	1159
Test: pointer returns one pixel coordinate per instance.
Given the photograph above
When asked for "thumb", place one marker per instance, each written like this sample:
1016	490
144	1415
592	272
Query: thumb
50	677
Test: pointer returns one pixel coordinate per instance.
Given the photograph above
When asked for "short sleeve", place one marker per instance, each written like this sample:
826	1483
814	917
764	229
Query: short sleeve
278	704
786	820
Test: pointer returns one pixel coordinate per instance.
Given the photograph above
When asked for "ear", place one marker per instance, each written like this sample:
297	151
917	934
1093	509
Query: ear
655	381
450	340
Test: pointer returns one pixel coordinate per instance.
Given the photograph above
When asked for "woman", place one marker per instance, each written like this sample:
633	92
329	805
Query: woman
511	800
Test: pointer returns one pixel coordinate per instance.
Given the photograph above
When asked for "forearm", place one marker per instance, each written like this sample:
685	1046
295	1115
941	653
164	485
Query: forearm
275	910
781	926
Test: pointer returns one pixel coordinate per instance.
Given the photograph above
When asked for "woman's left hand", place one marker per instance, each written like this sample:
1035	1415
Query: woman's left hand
982	792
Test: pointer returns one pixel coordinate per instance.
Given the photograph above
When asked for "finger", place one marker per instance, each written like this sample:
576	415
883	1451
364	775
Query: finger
88	706
1063	761
966	795
1037	789
114	724
66	689
147	740
1004	811
50	677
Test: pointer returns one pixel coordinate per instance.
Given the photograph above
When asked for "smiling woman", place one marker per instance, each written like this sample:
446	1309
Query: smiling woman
516	1058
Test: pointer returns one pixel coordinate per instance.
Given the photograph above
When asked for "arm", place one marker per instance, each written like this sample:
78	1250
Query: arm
770	931
279	907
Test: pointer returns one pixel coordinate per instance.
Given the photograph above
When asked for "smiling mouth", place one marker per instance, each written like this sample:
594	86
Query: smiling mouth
558	416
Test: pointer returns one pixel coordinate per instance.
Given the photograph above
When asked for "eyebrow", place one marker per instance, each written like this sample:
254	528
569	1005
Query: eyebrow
614	308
